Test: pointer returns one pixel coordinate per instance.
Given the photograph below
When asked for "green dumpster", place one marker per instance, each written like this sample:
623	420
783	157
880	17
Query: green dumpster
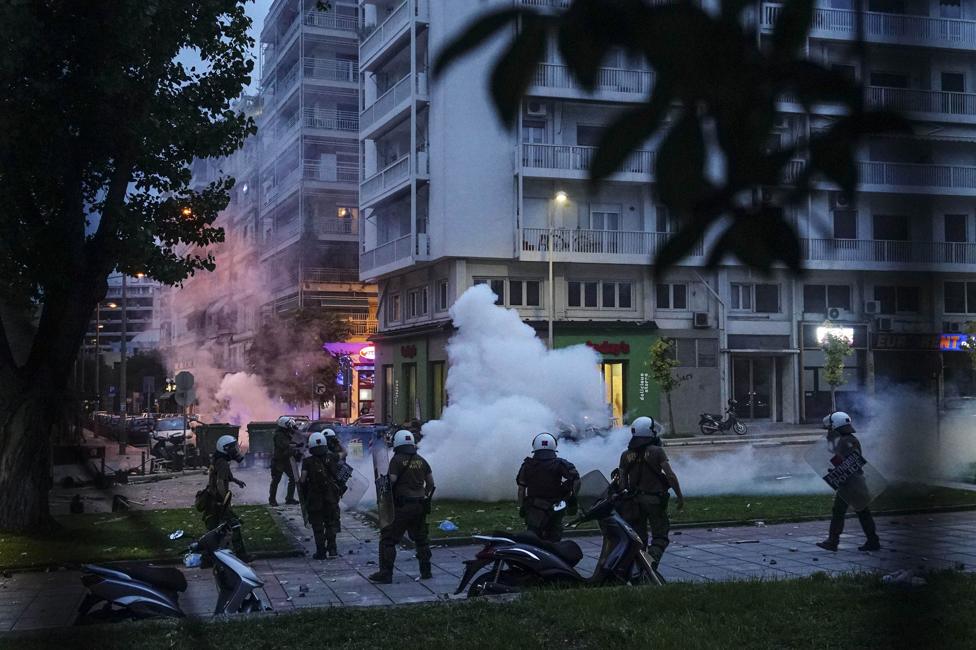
207	435
260	441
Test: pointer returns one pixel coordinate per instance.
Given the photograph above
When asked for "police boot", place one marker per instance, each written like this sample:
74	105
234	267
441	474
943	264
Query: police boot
331	549
290	495
273	495
425	570
872	544
829	544
381	577
320	553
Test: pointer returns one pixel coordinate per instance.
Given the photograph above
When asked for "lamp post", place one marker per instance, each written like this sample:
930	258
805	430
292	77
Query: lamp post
560	199
98	353
123	439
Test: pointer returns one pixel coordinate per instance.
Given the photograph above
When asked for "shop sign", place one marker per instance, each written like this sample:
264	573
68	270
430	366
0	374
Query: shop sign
612	349
408	351
954	342
888	341
645	385
367	353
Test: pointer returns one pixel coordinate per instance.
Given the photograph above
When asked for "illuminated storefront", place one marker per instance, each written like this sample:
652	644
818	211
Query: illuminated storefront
356	380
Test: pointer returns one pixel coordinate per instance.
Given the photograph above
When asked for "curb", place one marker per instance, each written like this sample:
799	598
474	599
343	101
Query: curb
799	439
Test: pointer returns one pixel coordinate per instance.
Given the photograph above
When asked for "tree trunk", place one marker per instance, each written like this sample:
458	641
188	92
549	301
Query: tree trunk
671	414
833	399
28	412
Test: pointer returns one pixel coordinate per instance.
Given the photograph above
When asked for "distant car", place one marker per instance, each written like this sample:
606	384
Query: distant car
169	427
366	419
321	425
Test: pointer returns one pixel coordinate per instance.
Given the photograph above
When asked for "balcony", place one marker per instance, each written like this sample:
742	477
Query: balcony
362	326
331	70
393	103
331	119
386	254
330	226
324	171
393	29
886	254
284	185
930	103
392	178
894	29
573	161
327	275
285	85
546	4
555	80
600	246
917	178
330	20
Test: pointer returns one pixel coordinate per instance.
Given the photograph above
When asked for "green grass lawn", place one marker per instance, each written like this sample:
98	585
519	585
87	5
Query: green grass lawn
816	612
134	535
473	517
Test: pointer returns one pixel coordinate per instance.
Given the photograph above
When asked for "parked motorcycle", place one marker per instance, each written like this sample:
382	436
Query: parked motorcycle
522	560
168	450
137	591
712	423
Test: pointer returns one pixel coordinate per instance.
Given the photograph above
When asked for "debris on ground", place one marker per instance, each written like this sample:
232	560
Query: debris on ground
904	578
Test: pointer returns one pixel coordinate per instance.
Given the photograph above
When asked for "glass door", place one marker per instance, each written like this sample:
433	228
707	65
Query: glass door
613	381
752	387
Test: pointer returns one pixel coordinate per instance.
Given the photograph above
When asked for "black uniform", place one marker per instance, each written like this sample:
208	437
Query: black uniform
284	451
410	509
219	510
642	476
845	445
547	480
321	493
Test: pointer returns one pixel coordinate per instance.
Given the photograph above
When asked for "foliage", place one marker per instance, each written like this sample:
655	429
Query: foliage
662	363
713	100
970	344
292	365
836	349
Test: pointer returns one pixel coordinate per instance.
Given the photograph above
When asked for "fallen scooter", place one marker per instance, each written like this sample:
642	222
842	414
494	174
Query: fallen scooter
139	591
523	560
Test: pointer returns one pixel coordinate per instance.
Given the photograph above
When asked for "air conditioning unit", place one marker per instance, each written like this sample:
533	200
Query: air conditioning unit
840	201
872	307
836	314
536	109
951	327
701	320
884	324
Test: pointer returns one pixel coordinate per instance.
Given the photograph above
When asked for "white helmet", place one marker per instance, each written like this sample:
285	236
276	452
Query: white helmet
644	427
317	439
224	444
403	437
286	422
328	433
837	420
544	442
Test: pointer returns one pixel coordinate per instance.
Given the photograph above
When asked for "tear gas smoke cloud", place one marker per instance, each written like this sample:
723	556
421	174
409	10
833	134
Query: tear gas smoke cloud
506	387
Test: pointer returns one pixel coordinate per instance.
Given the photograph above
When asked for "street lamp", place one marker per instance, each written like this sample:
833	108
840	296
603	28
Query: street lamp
561	198
98	353
123	439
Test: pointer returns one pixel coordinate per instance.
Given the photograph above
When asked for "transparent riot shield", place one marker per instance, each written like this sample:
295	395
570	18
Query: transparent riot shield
381	468
356	487
855	480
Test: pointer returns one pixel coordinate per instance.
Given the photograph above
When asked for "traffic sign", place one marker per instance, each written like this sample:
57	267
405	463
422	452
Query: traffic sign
184	380
185	397
320	389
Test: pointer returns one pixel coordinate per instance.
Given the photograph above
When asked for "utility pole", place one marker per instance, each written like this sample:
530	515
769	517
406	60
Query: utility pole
124	436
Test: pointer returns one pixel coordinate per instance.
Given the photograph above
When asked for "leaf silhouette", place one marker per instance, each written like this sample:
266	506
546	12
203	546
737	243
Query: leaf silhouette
637	125
516	67
475	35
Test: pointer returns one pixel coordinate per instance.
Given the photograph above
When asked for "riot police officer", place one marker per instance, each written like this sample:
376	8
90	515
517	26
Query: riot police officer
645	479
841	439
543	481
284	452
320	491
218	510
412	487
333	443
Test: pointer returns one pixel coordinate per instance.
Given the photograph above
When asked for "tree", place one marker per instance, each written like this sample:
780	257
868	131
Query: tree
662	363
99	122
714	98
291	367
836	348
970	344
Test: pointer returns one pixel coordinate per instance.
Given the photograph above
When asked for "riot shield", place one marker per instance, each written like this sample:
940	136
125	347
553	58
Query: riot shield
384	491
855	480
356	488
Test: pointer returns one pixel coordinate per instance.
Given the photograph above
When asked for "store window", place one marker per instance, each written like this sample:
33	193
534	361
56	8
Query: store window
672	296
438	388
410	390
613	380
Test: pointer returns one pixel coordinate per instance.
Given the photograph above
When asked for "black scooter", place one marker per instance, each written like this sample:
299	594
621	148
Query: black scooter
522	560
137	591
710	423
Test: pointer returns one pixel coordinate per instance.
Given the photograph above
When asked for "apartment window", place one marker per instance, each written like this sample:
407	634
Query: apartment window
818	298
696	353
889	80
849	72
897	299
515	292
497	288
845	224
605	218
672	296
955	228
533	131
950	9
442	295
394	308
757	298
608	295
953	82
417	302
588	135
959	297
891	227
666	222
521	293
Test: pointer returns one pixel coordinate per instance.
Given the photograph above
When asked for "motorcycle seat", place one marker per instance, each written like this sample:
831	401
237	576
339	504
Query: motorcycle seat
567	550
168	578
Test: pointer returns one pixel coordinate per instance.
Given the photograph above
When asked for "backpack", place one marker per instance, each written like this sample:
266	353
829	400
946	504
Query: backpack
203	500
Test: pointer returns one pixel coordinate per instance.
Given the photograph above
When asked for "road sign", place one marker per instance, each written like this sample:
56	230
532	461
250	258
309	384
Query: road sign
320	389
111	390
185	397
184	381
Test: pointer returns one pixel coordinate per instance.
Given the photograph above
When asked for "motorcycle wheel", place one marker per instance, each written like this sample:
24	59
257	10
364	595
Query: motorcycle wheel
740	428
477	587
708	428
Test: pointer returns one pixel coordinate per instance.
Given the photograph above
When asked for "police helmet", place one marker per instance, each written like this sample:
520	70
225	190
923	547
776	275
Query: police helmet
645	427
228	445
286	422
544	442
402	438
838	422
317	443
328	433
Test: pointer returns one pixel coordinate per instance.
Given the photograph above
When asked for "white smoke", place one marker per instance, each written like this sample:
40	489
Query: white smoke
505	387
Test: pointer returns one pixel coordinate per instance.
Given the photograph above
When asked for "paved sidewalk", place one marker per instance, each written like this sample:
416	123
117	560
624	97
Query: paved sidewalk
923	542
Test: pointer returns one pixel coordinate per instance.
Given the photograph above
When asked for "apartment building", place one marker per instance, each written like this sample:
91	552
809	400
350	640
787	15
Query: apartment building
450	198
141	300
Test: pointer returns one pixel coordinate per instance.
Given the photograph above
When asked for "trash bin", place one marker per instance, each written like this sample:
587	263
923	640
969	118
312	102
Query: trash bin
207	434
260	443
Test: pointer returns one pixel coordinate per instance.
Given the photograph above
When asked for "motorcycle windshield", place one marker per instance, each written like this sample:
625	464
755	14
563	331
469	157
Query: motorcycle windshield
593	487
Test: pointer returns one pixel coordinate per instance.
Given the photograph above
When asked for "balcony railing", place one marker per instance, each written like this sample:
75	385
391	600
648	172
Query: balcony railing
386	30
577	159
331	20
387	253
285	231
331	69
922	101
917	175
386	102
285	126
316	170
888	251
554	75
362	326
336	226
331	119
286	83
285	182
601	242
900	29
391	176
329	275
552	4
